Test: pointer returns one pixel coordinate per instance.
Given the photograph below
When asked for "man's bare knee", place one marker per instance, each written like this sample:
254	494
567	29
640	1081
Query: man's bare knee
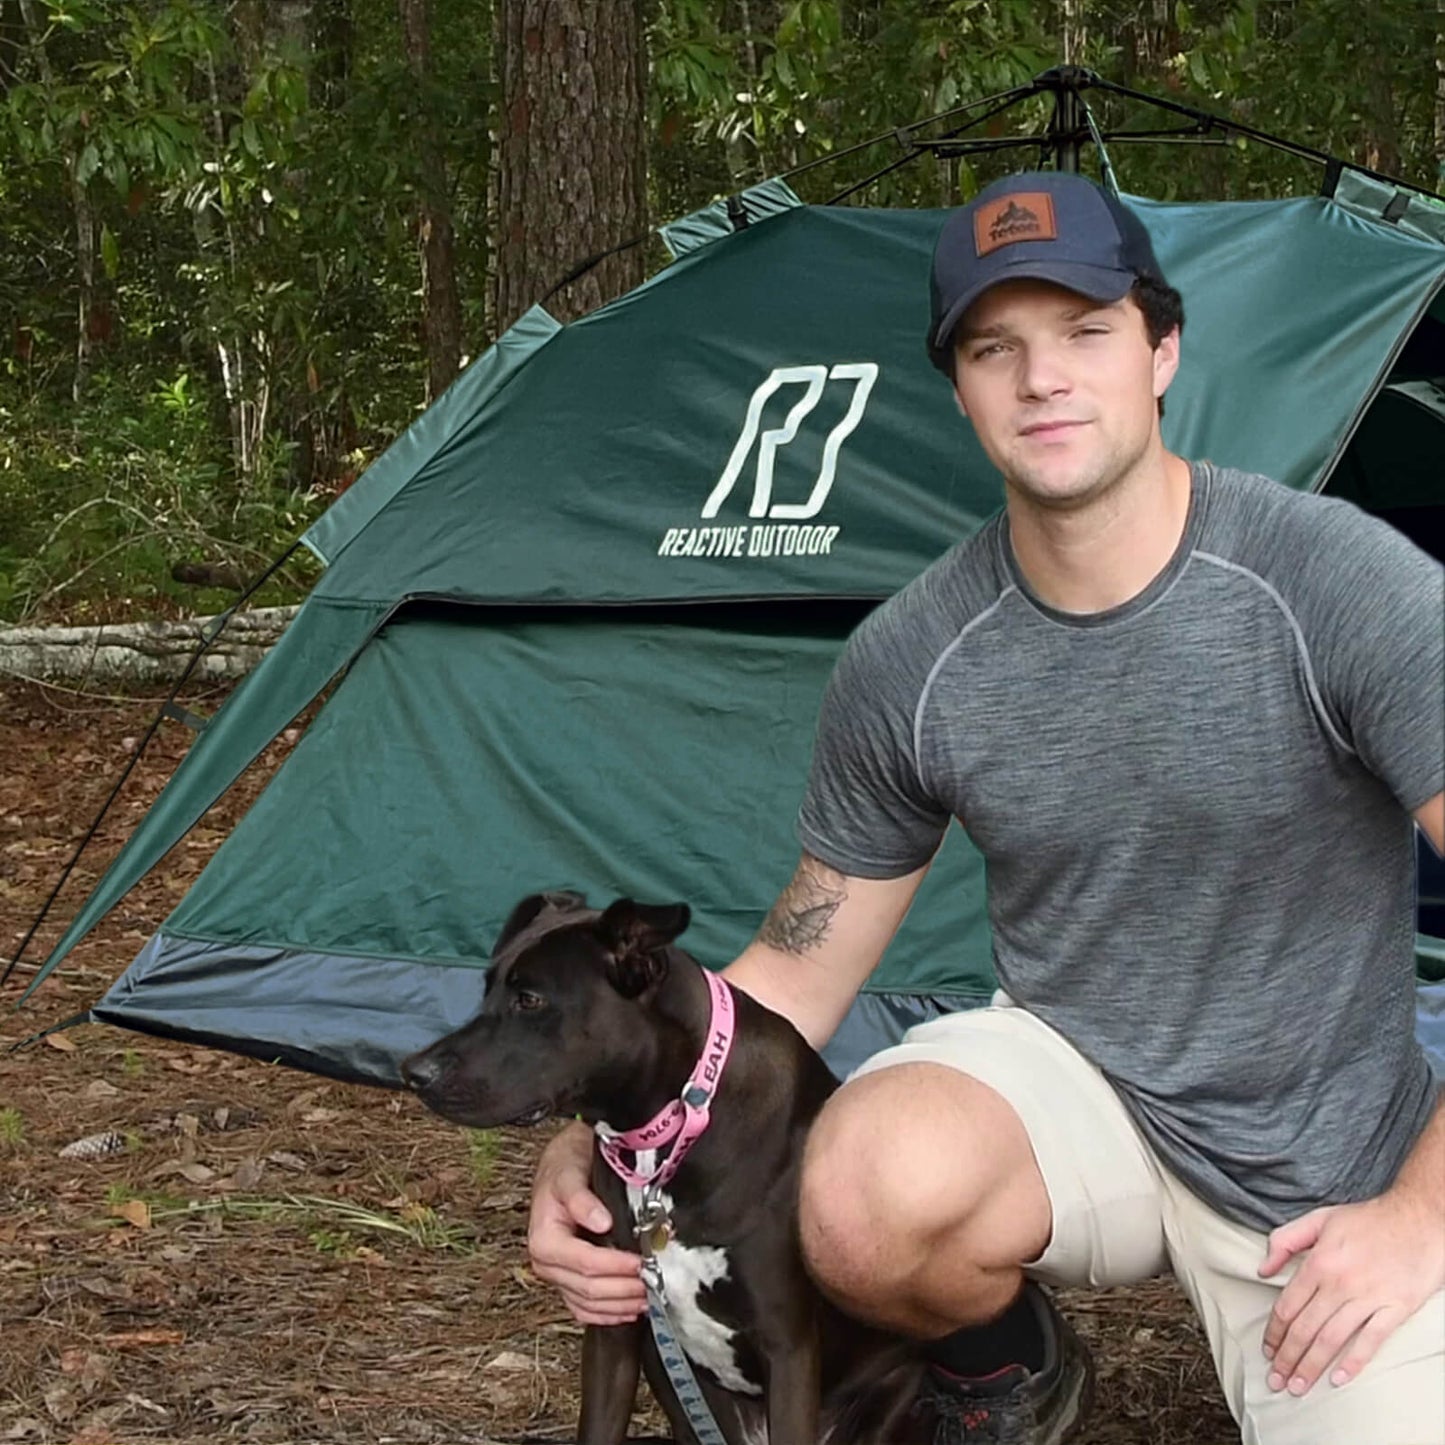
919	1173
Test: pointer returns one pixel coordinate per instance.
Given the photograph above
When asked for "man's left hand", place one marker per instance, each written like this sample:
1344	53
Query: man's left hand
1367	1268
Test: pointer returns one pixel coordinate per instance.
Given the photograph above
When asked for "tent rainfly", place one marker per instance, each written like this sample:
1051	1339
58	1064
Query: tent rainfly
582	611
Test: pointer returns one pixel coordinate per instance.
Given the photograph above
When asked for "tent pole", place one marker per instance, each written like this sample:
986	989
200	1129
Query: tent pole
1208	122
202	648
1065	131
903	134
915	148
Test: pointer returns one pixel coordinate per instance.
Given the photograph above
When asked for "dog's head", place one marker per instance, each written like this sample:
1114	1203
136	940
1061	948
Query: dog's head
561	1020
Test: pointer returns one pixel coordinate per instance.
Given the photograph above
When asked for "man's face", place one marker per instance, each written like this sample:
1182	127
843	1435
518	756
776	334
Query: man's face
1063	391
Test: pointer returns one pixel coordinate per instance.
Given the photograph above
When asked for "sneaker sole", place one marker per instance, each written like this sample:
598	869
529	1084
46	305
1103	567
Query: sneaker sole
1076	1410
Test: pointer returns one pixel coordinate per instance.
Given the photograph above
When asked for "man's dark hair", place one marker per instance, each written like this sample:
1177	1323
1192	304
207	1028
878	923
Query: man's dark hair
1162	305
1163	309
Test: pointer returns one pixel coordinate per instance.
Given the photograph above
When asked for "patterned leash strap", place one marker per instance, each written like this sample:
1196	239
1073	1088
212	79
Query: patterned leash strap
654	1229
680	1374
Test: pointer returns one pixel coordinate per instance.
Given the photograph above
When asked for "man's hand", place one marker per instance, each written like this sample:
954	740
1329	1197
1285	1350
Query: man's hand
600	1286
1367	1268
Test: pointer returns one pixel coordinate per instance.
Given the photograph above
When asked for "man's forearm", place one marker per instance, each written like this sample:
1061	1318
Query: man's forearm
819	943
793	985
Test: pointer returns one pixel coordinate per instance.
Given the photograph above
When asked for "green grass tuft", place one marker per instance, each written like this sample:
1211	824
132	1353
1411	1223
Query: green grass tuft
482	1146
12	1128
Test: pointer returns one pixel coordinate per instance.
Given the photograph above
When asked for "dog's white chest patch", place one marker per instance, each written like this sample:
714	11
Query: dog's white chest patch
687	1270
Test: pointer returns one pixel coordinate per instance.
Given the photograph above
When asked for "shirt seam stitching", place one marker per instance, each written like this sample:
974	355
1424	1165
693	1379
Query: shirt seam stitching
1312	688
933	672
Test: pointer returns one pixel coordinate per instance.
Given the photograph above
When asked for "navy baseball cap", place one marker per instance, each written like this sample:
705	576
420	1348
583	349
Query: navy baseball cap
1044	225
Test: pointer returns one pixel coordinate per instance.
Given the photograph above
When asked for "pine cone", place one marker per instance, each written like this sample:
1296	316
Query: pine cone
95	1146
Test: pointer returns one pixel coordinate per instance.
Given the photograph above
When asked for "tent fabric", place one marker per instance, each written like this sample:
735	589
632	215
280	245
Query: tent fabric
583	610
400	869
713	222
316	646
1410	211
401	461
624	425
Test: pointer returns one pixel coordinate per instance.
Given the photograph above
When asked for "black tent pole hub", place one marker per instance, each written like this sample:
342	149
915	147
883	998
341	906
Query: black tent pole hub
1068	130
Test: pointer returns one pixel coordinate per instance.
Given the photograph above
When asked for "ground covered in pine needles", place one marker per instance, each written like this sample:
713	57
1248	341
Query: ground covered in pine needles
267	1256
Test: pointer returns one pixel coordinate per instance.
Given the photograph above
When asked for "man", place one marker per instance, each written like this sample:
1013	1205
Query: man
1189	717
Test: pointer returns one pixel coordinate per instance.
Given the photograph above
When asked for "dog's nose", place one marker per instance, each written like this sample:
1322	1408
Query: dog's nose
420	1071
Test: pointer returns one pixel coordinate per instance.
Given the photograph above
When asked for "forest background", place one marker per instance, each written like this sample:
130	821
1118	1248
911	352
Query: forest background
243	243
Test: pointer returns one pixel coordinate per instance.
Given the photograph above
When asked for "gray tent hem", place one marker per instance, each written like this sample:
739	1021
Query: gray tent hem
362	1015
357	1017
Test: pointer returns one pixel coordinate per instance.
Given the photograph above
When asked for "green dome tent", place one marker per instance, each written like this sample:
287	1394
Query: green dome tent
582	612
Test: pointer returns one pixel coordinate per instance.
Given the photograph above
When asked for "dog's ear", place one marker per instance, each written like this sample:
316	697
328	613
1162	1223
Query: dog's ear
635	936
526	913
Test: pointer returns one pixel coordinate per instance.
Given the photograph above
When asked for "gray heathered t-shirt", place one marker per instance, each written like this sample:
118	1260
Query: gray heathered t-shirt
1195	814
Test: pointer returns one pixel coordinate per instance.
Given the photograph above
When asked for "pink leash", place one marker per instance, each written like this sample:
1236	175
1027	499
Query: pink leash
682	1122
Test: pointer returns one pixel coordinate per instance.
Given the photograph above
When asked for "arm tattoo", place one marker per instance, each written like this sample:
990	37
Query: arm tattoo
802	917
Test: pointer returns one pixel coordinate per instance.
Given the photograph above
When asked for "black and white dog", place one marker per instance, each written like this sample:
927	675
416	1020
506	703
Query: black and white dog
597	1013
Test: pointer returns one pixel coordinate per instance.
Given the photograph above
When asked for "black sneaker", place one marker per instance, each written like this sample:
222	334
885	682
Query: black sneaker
1018	1406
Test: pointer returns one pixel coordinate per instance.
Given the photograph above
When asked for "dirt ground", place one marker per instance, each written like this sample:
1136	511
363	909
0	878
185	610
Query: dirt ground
270	1257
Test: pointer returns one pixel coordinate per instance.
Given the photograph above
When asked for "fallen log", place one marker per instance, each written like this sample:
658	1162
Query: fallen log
143	653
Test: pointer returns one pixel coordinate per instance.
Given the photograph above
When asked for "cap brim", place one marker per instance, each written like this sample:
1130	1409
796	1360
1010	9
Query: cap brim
1098	283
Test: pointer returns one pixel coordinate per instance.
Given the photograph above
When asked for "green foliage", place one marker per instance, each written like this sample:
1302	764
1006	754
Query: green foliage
119	1194
336	1242
121	107
482	1146
830	76
103	501
12	1128
247	184
333	1226
253	202
823	75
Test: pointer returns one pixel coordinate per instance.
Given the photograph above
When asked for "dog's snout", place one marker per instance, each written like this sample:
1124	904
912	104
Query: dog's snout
421	1071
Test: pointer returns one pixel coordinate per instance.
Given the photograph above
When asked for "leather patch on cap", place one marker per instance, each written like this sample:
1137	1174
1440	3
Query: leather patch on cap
1023	216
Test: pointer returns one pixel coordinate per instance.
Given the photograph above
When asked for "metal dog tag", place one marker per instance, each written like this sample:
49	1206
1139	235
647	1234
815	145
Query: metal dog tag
653	1227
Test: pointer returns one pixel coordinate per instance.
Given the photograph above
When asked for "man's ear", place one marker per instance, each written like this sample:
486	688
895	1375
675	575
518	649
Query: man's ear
1166	361
635	937
560	900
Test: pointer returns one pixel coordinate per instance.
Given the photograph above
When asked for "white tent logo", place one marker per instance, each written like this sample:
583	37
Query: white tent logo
814	378
787	531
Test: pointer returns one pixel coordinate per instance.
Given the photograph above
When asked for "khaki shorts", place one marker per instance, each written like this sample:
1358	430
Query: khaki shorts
1121	1217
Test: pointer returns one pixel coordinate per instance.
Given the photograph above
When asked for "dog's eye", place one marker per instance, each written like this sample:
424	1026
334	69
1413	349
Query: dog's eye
527	1002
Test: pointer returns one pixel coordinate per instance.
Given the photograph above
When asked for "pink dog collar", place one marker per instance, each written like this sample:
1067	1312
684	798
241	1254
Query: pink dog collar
682	1122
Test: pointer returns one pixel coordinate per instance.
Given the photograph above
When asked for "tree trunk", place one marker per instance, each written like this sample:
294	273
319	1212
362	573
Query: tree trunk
1075	31
569	168
1144	36
230	354
85	259
333	40
259	28
80	208
1382	128
441	310
263	25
